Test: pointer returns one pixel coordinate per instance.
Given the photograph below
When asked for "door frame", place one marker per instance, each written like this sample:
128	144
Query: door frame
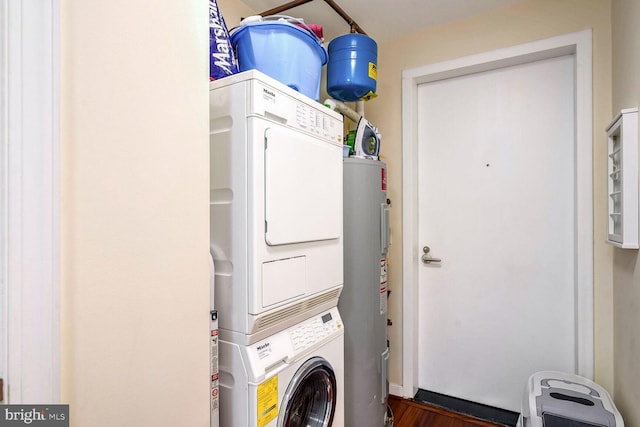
578	44
30	201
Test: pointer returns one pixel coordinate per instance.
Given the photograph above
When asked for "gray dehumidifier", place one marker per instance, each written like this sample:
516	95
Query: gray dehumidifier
557	399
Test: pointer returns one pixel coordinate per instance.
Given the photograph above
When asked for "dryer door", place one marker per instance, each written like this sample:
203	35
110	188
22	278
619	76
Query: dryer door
310	399
303	187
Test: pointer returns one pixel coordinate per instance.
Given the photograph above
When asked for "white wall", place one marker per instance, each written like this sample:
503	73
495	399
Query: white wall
626	263
135	214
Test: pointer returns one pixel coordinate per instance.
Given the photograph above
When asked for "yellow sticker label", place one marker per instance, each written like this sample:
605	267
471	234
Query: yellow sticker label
373	71
367	96
267	401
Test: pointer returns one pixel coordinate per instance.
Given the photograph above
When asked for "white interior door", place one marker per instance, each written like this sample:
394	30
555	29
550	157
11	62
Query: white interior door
496	202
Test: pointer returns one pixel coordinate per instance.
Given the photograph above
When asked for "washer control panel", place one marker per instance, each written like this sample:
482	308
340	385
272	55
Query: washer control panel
315	329
270	353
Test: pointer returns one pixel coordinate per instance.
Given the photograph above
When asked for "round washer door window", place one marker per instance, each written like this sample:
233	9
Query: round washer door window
310	399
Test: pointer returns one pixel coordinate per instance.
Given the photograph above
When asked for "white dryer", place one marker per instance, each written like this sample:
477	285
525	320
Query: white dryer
293	378
275	205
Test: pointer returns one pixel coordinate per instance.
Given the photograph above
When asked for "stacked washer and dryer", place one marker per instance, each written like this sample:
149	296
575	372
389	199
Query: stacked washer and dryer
276	241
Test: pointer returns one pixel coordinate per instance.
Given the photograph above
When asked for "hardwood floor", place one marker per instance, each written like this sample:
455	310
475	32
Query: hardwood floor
407	413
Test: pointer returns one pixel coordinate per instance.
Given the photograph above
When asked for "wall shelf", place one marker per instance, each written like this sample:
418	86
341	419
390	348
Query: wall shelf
622	189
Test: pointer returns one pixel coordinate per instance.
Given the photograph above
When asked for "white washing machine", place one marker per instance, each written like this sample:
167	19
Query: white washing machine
275	205
293	378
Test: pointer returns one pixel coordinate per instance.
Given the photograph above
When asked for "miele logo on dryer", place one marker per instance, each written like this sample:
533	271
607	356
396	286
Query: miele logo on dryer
264	346
268	95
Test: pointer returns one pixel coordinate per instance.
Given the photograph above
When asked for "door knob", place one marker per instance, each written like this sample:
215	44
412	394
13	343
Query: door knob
428	259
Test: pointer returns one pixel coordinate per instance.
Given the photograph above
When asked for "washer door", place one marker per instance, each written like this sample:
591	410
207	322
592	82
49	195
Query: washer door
310	399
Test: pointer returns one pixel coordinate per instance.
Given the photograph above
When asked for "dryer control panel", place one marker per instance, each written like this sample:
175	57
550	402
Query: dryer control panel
295	111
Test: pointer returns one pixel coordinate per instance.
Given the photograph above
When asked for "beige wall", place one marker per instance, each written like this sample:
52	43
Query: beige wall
523	22
135	220
233	11
626	263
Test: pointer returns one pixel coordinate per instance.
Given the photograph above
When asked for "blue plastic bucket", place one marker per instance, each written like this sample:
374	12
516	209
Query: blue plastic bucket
284	51
352	70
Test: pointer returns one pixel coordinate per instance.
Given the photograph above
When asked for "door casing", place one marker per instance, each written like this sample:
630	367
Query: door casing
578	44
30	201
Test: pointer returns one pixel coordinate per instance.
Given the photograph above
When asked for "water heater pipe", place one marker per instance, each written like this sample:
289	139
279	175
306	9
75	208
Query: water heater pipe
341	108
355	28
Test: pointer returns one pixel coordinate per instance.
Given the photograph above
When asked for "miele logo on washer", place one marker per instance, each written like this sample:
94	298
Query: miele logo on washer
264	350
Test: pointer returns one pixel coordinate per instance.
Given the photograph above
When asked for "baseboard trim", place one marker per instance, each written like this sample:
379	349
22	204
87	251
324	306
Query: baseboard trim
396	390
488	413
